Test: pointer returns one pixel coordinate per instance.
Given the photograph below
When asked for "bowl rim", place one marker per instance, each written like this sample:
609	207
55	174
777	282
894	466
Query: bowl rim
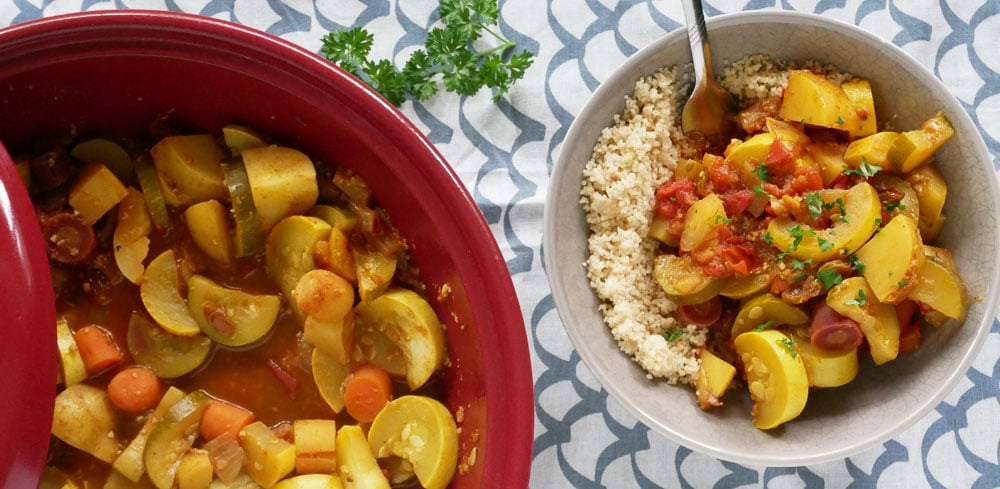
630	72
509	429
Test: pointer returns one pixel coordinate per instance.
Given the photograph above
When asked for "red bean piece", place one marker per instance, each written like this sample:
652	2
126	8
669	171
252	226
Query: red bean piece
704	314
832	331
68	238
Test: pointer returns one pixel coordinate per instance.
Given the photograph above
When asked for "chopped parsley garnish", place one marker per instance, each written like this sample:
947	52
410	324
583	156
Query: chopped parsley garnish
824	245
815	204
789	346
673	335
859	301
865	169
891	206
761	172
762	326
759	189
829	277
797	235
767	238
719	218
902	283
841	121
839	204
800	266
856	264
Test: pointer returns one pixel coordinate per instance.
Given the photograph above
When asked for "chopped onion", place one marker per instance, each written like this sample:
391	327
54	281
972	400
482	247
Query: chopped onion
226	455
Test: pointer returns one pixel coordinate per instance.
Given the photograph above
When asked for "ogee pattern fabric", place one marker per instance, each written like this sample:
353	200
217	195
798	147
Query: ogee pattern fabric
504	154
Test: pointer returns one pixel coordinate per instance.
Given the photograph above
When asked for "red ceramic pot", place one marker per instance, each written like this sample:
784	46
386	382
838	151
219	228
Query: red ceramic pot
111	72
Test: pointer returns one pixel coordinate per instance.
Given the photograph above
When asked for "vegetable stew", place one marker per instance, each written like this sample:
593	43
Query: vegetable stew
233	314
807	245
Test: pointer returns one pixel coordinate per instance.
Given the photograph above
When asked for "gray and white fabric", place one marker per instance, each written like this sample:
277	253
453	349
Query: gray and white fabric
504	154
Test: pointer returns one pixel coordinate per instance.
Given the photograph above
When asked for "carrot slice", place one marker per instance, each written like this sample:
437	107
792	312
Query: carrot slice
366	391
135	389
221	417
97	348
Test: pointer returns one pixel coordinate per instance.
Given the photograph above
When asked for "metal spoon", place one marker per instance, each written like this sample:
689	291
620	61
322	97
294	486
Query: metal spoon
708	108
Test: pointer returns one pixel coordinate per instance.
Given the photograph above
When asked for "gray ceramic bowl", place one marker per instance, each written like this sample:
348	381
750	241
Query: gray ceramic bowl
882	401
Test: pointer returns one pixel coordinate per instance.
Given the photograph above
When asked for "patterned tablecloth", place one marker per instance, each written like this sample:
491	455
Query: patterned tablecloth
504	154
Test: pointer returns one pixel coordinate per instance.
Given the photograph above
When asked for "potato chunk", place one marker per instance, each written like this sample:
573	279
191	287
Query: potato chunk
940	285
700	220
269	458
893	259
95	192
208	223
282	181
85	418
714	377
189	168
812	99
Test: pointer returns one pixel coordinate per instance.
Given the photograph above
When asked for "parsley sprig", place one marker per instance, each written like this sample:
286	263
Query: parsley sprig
448	55
864	170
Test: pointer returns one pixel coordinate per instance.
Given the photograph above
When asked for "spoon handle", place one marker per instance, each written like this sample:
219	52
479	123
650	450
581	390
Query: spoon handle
701	54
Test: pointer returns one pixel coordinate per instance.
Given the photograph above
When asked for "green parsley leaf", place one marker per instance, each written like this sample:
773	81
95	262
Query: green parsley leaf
856	264
891	206
673	334
762	326
841	121
759	189
797	235
815	204
801	265
448	57
865	169
824	244
789	346
768	239
859	301
829	277
902	283
761	172
719	218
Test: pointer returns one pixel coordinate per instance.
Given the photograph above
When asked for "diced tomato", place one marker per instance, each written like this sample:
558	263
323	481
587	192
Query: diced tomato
720	175
740	259
737	202
806	178
674	197
704	314
780	160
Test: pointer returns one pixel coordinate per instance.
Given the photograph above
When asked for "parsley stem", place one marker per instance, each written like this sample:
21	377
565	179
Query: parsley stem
506	42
